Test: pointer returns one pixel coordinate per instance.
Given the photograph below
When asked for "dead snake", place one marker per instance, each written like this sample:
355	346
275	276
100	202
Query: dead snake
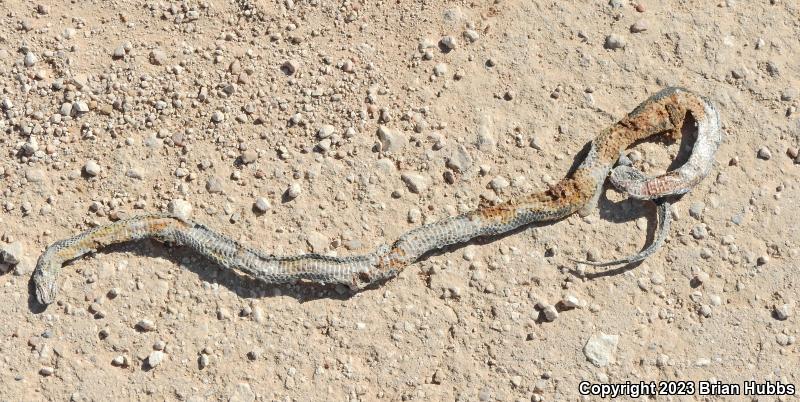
662	113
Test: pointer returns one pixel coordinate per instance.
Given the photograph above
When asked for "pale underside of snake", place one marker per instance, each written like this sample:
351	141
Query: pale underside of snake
661	114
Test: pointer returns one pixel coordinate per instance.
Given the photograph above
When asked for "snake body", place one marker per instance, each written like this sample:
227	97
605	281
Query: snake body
664	112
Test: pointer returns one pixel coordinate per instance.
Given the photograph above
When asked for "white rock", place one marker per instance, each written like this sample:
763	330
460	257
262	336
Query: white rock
325	131
12	253
293	191
615	41
499	183
91	168
390	141
155	358
262	204
416	183
180	209
30	59
601	348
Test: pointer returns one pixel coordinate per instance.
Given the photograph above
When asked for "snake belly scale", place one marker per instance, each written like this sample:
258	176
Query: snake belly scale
662	113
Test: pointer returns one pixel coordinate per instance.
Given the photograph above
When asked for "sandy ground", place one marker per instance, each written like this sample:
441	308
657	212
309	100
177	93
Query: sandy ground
116	108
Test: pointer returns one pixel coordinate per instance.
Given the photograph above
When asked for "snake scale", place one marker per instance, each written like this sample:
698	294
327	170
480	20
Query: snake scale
661	114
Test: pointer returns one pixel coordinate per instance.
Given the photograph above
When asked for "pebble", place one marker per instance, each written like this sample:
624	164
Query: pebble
471	35
639	26
570	301
119	361
262	204
30	59
159	345
118	53
416	183
448	43
146	325
79	108
155	358
601	348
248	156
550	312
157	57
696	209
704	310
792	152
180	209
47	371
217	116
615	41
459	160
782	312
498	183
12	253
390	141
440	69
325	131
214	185
203	361
293	191
764	153
290	67
91	168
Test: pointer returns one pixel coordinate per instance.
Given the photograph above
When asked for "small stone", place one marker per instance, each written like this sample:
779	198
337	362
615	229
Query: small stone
159	345
214	185
471	35
498	184
325	131
615	41
7	104
293	191
570	301
118	53
764	153
158	57
79	108
290	67
550	313
448	43
601	348
704	310
47	371
440	69
639	8
223	314
416	183
792	152
788	94
155	358
460	160
762	260
91	168
639	26
12	253
390	141
696	209
203	361
146	325
782	312
261	205
119	361
30	59
249	156
180	209
217	116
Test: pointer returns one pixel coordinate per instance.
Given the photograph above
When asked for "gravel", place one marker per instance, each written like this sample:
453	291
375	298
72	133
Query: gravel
416	183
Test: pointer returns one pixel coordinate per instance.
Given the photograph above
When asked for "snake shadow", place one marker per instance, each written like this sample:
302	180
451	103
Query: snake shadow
248	287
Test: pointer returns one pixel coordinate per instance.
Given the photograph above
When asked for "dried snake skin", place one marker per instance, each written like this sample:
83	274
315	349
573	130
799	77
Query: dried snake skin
662	113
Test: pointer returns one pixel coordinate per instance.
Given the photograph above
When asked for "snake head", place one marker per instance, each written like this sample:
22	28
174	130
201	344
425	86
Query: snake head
44	280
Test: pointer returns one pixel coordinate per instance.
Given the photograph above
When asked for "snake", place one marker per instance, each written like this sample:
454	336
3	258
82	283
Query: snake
663	113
